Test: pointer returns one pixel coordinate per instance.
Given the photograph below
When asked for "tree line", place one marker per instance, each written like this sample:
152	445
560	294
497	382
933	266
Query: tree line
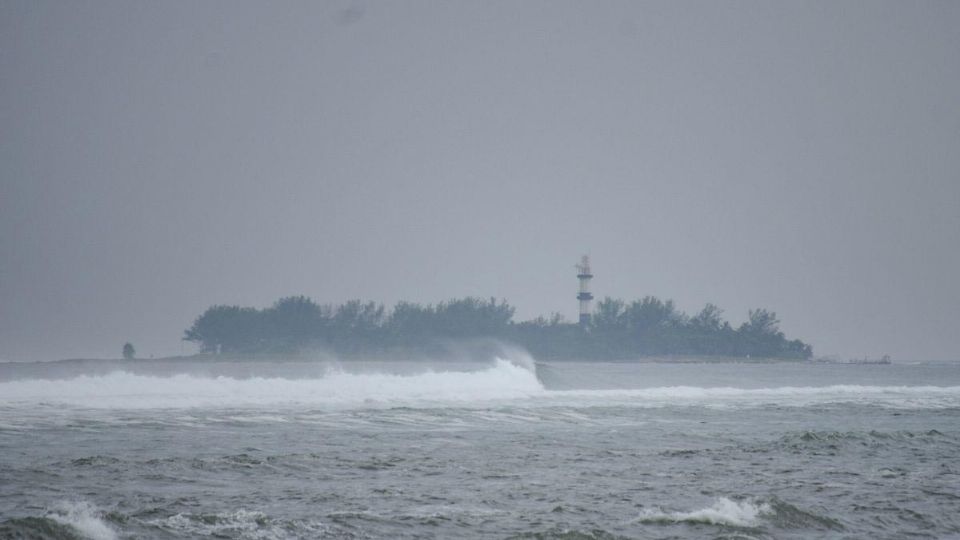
617	330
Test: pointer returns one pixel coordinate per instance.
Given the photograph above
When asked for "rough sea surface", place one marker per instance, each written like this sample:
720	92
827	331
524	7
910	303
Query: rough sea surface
497	449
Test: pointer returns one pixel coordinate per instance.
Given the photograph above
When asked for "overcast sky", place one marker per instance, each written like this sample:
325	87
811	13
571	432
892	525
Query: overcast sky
160	157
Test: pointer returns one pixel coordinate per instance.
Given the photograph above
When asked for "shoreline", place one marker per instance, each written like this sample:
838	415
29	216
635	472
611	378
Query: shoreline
319	357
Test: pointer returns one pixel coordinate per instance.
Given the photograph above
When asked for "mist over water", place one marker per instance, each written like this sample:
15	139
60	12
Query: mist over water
489	448
516	381
334	389
270	185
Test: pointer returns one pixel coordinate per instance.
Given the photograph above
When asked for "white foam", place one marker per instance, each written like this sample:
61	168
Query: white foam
83	517
723	512
504	380
890	396
242	524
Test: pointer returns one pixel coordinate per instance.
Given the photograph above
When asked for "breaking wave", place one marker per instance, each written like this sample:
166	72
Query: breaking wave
504	380
66	521
890	396
85	518
747	513
724	511
241	524
514	381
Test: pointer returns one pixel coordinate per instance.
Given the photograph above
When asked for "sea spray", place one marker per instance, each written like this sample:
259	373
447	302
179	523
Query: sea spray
517	357
238	524
543	462
503	380
723	511
904	397
512	378
84	518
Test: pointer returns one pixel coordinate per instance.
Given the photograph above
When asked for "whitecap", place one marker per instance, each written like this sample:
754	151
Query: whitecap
723	511
84	518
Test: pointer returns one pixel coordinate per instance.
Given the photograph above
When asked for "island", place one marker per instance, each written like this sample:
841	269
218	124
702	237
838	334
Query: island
616	330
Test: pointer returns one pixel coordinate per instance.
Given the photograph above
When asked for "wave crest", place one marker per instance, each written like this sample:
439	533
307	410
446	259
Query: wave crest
84	518
516	379
503	380
723	511
747	513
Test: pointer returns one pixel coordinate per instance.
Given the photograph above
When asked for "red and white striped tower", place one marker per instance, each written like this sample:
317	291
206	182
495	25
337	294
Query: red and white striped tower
584	275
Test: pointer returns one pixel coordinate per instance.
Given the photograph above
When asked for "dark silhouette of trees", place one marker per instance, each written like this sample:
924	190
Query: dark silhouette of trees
129	353
710	319
292	323
229	329
618	330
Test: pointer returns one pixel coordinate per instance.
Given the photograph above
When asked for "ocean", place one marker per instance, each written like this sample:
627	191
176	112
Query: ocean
505	448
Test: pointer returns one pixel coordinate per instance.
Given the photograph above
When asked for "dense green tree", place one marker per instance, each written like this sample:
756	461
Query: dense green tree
228	329
356	325
409	322
296	317
644	315
608	315
710	319
761	323
472	317
618	330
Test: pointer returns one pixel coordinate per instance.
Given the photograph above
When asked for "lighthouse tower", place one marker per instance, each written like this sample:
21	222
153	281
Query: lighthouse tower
584	275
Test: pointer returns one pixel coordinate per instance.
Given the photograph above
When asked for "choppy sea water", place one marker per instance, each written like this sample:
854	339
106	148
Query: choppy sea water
499	449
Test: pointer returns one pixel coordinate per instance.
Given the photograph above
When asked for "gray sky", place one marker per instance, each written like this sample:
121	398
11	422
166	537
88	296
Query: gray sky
160	157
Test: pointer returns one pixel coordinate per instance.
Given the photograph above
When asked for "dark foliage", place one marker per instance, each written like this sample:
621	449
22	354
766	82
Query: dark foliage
618	330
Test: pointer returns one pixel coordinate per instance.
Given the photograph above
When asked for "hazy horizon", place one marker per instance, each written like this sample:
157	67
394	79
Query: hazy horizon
159	158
